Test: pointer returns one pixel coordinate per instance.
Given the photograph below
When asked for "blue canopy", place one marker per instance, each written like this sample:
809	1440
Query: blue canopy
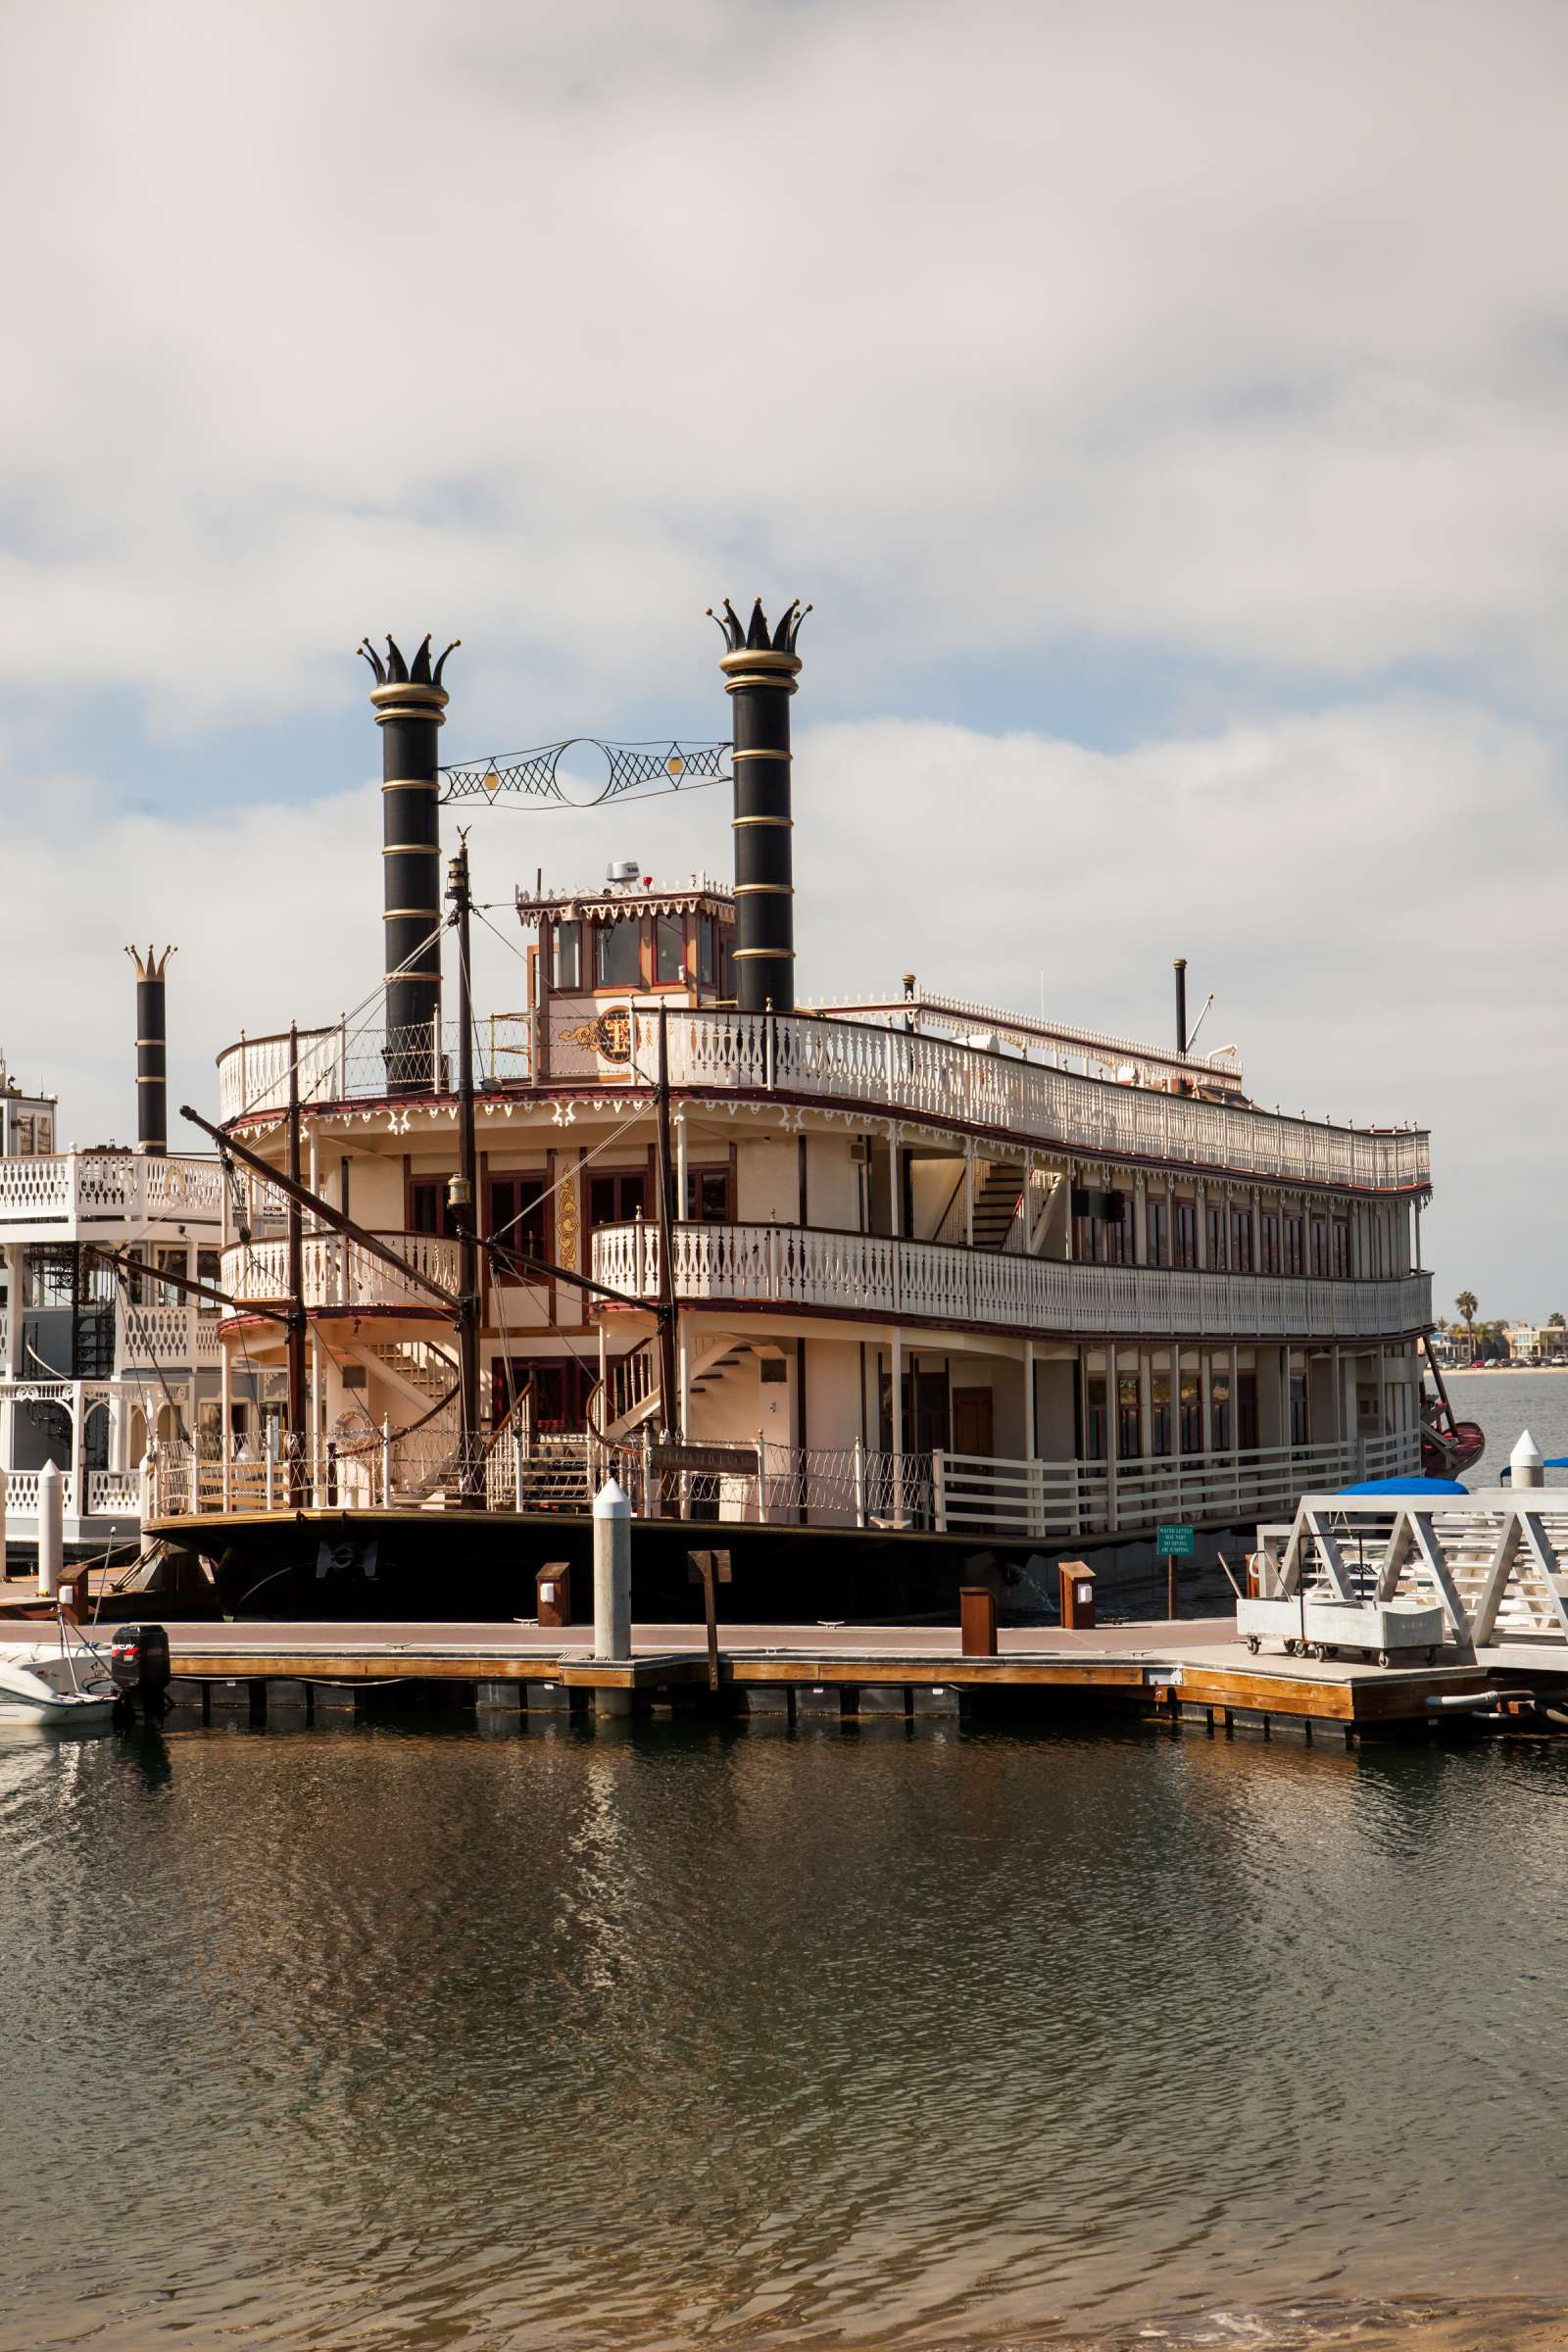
1408	1486
1554	1461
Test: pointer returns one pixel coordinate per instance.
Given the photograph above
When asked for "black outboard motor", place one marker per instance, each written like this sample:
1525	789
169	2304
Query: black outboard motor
138	1659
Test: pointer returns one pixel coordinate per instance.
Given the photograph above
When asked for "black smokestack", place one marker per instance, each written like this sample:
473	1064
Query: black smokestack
759	674
1180	968
152	1055
409	709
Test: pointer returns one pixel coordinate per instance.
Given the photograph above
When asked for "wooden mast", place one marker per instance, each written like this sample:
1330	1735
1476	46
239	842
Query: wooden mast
668	1309
462	1193
295	1230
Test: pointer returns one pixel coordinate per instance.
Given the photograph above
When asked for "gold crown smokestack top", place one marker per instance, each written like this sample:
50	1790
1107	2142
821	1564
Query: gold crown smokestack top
151	1050
409	709
760	673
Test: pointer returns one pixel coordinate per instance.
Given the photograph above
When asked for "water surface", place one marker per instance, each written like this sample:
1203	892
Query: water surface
410	2036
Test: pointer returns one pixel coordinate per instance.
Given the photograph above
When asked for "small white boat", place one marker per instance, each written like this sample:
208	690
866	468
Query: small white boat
46	1683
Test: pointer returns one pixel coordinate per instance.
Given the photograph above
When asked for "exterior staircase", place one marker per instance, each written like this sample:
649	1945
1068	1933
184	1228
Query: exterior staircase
634	1392
420	1370
997	1203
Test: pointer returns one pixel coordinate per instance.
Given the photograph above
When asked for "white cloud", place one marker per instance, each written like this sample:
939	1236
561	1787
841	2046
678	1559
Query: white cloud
1228	332
1372	892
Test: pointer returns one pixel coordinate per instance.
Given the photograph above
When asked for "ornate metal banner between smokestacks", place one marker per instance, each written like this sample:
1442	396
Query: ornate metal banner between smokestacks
409	709
151	1050
759	674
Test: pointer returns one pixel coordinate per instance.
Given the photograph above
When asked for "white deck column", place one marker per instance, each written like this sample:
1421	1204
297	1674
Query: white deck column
1029	1439
1199	1228
895	1189
682	1207
1236	1405
1112	1436
968	1191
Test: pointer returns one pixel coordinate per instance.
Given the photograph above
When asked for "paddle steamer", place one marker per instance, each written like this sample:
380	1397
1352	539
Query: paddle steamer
884	1296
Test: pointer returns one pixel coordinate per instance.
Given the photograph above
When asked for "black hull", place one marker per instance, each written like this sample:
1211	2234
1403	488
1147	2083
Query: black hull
447	1565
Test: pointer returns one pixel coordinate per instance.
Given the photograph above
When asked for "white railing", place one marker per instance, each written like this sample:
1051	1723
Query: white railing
344	1064
108	1188
154	1338
975	1492
883	1069
1113	1053
858	1066
340	1273
819	1486
110	1495
873	1274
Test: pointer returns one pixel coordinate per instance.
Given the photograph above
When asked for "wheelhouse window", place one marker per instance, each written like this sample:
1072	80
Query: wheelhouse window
566	955
669	950
707	1197
618	954
707	952
518	1218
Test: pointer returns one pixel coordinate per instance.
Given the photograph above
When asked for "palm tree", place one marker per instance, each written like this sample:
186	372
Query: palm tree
1467	1303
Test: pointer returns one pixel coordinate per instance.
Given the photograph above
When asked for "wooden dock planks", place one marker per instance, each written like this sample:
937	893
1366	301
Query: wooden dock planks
1155	1668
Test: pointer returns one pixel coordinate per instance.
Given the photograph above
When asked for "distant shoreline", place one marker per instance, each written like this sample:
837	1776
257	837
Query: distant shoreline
1491	1371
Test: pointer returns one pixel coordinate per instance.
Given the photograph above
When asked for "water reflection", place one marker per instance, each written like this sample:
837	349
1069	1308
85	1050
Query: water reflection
421	2037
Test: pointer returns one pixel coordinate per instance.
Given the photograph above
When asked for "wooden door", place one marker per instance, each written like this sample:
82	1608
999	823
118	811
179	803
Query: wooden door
971	1421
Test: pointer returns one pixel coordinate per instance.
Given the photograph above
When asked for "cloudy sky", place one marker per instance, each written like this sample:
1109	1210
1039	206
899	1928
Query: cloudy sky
1162	406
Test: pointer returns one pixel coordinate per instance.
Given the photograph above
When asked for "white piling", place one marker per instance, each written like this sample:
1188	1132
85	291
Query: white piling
611	1575
1525	1465
387	1461
51	1529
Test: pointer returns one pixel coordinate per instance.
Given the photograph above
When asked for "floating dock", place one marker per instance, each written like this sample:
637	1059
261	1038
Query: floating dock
1189	1672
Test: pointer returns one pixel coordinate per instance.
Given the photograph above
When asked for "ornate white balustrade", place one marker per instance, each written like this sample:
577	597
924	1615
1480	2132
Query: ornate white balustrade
159	1339
344	1064
863	1066
47	1196
340	1273
871	1274
105	1494
889	1070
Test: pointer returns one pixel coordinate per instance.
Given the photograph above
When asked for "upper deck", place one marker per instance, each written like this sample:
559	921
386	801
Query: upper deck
855	1069
105	1195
